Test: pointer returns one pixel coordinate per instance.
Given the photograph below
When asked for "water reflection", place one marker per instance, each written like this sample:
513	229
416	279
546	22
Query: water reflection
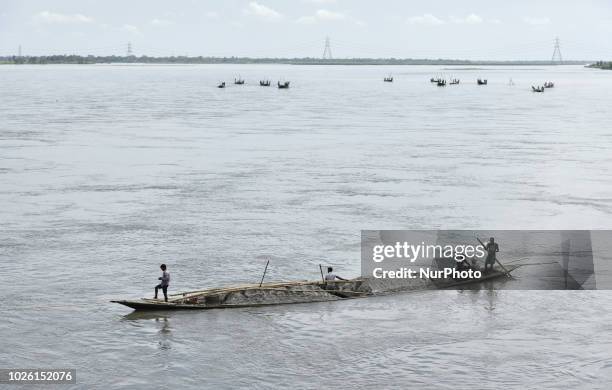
146	315
161	321
164	333
491	297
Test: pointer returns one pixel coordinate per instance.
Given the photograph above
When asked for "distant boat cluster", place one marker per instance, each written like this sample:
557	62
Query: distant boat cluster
541	88
438	80
442	82
262	83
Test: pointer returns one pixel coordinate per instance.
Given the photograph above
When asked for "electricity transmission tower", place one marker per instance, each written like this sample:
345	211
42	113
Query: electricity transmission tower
19	51
557	57
129	49
327	55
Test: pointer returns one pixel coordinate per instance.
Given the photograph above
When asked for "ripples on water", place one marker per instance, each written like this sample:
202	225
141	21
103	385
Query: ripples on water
108	171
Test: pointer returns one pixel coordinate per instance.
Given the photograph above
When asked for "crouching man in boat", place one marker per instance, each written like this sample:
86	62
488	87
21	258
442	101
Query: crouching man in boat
464	265
165	282
330	277
492	248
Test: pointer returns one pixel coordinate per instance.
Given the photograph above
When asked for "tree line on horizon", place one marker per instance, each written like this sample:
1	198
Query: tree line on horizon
91	59
602	65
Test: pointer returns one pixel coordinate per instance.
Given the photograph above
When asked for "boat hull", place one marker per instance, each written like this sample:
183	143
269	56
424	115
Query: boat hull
490	276
254	295
145	305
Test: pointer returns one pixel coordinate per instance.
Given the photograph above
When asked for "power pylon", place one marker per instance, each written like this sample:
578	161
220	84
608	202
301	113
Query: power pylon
129	49
19	51
327	54
557	52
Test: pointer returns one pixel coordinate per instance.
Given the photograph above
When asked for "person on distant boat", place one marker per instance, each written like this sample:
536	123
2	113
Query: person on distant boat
492	248
165	282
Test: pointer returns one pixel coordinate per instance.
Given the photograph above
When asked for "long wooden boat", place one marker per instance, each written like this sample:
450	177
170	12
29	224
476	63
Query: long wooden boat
282	293
254	295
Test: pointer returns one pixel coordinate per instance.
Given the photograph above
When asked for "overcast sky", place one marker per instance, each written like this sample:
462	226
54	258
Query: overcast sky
473	29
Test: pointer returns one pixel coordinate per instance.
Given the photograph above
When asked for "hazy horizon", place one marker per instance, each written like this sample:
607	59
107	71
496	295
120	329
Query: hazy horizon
473	30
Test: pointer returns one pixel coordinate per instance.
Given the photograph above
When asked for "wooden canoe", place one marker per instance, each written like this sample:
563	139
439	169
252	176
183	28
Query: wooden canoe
253	295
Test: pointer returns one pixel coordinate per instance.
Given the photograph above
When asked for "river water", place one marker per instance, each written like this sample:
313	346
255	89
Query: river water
107	171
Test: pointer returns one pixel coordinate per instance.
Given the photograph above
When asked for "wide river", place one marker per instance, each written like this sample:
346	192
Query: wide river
107	171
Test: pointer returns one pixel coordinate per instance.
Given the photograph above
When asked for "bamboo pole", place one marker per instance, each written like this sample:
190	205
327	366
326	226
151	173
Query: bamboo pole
264	274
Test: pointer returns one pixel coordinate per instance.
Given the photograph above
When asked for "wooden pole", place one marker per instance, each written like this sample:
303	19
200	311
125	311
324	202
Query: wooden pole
322	277
264	274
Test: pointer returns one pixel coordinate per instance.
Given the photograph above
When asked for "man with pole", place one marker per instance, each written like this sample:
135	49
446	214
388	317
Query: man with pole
492	248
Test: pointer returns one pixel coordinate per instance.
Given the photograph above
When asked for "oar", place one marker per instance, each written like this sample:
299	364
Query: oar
497	261
264	274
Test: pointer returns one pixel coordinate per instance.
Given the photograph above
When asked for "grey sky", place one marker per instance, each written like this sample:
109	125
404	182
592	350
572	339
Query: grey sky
475	29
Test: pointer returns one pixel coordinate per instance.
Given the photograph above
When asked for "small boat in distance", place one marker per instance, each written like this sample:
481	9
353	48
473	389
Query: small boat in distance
441	83
511	82
238	81
549	84
221	85
264	83
389	79
482	82
454	82
538	89
284	85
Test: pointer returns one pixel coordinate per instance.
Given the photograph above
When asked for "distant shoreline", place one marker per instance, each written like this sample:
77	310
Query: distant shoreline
91	60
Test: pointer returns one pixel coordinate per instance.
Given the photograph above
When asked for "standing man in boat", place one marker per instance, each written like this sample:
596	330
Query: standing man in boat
492	249
165	282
